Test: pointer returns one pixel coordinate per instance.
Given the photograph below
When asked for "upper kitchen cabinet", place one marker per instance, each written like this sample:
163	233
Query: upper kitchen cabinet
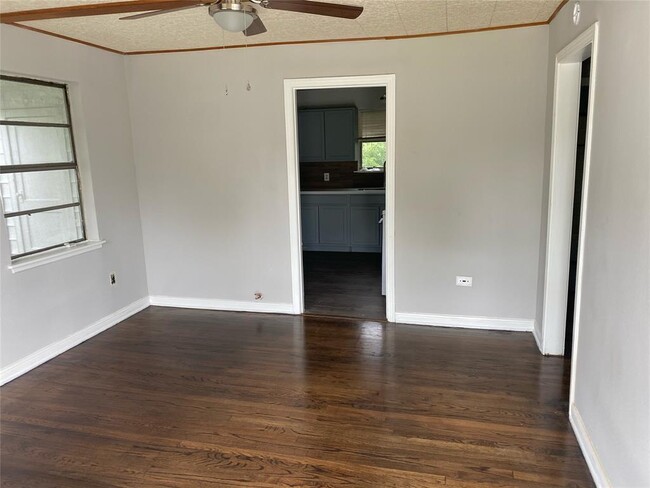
340	134
328	134
311	135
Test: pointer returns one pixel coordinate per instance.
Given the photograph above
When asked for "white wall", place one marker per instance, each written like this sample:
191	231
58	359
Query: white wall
43	305
470	149
612	386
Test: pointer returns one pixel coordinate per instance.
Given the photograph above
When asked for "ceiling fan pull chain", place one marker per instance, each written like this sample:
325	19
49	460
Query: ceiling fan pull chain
223	48
247	55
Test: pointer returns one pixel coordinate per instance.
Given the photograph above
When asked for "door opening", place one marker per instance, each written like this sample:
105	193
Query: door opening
342	161
571	140
577	203
341	195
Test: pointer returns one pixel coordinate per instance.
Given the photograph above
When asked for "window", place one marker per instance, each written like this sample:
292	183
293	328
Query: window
39	180
372	139
373	155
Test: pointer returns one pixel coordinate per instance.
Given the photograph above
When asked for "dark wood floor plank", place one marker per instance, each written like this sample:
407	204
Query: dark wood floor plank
346	284
185	398
76	457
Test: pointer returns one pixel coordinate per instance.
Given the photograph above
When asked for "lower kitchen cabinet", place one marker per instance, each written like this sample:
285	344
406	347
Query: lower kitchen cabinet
341	222
309	219
365	228
333	223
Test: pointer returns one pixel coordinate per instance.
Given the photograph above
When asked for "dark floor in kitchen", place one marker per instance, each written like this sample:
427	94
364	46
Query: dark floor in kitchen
346	284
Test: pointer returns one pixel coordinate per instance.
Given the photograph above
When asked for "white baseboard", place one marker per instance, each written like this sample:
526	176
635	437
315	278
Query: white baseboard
469	322
225	305
589	452
50	351
538	338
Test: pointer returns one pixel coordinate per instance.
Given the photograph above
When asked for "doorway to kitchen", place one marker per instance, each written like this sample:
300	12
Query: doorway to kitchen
340	146
342	158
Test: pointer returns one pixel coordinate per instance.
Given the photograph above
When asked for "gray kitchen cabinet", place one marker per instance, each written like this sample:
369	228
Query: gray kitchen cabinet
311	135
340	134
328	134
333	222
341	222
364	228
309	220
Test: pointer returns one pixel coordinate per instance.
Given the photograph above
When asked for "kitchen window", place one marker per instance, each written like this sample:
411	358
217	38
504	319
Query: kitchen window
372	140
373	155
39	176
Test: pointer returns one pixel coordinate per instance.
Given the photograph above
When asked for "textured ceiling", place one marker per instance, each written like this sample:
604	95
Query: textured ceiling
194	29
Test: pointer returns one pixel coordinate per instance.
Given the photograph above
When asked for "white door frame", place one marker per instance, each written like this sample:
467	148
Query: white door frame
566	101
291	87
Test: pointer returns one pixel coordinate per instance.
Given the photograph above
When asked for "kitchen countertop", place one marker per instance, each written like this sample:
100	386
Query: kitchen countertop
347	191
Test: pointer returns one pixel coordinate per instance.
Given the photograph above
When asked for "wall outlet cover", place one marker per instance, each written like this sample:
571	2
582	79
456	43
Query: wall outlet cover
463	281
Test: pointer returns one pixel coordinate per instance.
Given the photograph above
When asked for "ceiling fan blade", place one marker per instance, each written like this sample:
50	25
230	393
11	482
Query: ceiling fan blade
316	8
93	9
159	12
257	27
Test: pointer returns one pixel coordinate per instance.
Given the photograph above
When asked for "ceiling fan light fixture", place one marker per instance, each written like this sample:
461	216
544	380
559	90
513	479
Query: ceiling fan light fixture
233	17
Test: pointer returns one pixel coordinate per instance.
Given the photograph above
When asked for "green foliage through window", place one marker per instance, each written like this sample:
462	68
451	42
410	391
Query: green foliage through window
373	154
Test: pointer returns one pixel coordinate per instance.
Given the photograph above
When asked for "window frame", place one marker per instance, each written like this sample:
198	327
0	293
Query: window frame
25	168
361	142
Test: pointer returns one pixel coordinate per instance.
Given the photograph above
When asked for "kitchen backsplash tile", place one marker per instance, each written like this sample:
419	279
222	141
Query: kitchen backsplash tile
341	175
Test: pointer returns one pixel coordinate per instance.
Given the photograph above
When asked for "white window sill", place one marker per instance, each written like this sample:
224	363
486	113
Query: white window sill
28	262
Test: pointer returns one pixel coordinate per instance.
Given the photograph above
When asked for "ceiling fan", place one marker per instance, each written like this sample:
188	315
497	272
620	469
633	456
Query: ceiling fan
231	15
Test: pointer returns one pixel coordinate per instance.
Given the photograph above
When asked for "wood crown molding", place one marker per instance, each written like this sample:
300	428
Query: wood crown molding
72	39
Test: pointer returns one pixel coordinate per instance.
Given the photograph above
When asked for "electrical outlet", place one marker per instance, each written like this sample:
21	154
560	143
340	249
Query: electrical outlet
113	280
326	176
463	281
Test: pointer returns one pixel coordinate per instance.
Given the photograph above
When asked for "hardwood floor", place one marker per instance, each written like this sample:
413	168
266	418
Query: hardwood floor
189	398
345	284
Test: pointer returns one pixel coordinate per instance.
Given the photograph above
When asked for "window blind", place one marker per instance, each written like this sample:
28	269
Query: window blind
372	124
